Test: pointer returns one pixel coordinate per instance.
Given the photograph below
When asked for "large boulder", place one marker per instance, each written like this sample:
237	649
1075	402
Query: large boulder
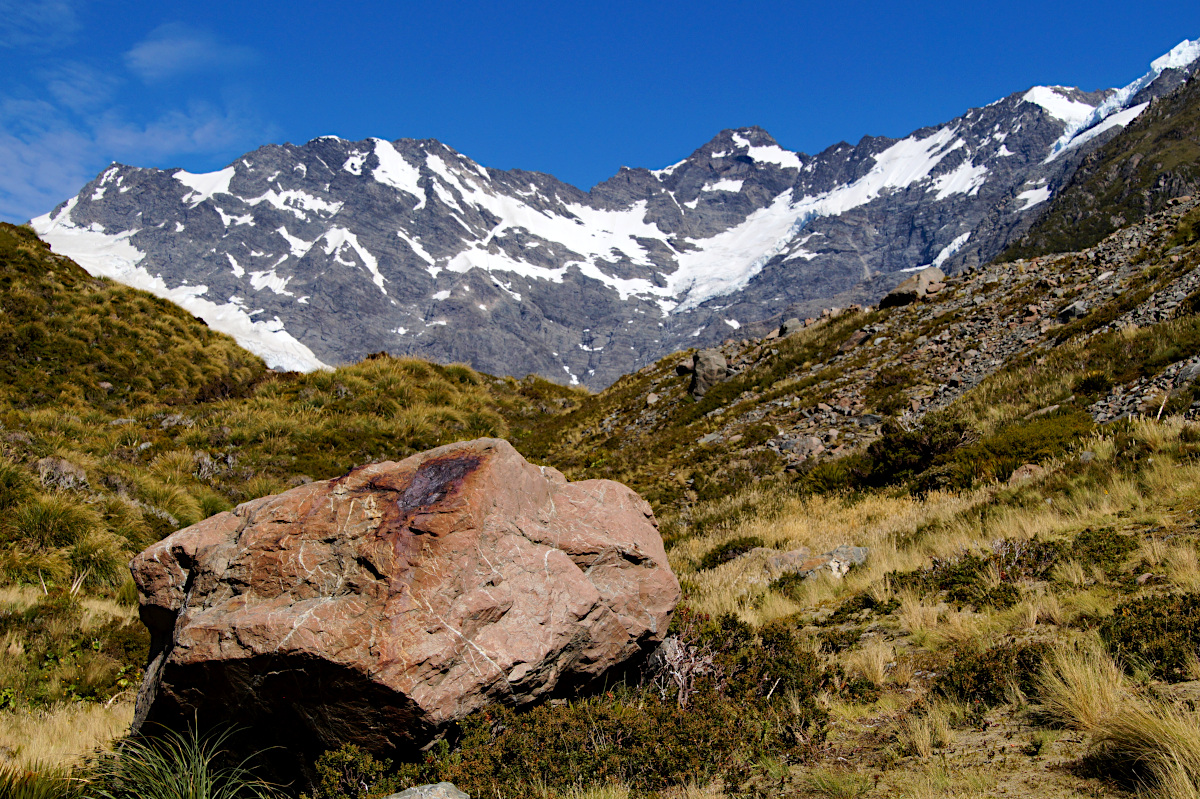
378	607
708	368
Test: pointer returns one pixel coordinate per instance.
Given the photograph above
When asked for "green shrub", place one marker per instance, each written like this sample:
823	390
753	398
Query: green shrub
962	576
352	773
981	678
729	550
1160	632
1103	547
1092	384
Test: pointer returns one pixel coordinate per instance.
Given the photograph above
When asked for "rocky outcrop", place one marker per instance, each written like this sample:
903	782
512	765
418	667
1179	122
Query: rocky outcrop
378	607
708	368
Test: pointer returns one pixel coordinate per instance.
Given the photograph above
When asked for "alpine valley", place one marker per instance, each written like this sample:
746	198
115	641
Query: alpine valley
319	254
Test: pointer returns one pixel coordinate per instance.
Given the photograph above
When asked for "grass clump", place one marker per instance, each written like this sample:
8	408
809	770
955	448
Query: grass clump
171	764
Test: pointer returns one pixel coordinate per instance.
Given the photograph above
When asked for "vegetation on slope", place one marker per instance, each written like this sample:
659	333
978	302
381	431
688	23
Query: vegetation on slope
988	616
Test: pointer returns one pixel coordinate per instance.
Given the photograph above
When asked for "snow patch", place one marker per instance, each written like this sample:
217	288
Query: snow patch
354	163
724	185
735	324
299	247
226	219
1119	119
396	172
1180	56
338	239
964	179
297	203
769	153
1064	109
205	185
950	249
1033	197
415	247
114	257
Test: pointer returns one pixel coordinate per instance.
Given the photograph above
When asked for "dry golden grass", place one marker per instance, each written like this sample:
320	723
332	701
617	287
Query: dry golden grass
693	790
64	734
1183	566
1142	736
1070	572
871	661
1081	686
938	782
921	734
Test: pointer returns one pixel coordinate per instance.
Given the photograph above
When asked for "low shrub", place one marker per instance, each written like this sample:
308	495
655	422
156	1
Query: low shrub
1103	547
964	577
1160	632
729	550
983	678
352	773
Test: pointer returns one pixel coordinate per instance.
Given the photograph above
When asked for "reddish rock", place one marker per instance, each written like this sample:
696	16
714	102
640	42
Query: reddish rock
378	607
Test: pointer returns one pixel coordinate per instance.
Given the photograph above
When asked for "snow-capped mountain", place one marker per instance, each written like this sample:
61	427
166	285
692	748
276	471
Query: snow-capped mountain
322	253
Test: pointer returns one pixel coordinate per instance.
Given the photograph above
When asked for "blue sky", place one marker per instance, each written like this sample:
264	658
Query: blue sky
577	90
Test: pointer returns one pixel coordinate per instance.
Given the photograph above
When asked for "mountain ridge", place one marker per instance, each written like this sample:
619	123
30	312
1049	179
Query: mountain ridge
322	253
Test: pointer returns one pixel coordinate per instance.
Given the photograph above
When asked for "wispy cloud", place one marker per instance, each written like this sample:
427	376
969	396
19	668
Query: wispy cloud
38	24
79	87
47	155
177	49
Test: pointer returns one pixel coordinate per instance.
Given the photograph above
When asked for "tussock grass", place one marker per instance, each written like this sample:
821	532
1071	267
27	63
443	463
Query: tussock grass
871	661
63	734
1082	686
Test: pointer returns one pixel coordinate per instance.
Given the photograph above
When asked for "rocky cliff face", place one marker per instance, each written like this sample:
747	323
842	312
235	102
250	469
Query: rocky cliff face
325	252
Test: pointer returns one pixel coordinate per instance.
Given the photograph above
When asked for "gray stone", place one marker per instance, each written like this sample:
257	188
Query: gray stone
1075	310
441	790
708	369
914	288
1188	374
61	475
790	326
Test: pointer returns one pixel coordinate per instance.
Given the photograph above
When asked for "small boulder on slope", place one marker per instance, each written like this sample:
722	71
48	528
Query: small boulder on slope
378	607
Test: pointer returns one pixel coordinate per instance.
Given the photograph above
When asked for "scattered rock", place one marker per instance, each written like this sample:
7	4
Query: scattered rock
62	475
176	420
790	326
837	562
914	288
378	607
1026	471
1075	310
856	338
683	368
652	398
1188	374
1087	456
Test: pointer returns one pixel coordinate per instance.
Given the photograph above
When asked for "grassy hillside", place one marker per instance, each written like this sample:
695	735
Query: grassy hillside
1034	635
122	419
1152	161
